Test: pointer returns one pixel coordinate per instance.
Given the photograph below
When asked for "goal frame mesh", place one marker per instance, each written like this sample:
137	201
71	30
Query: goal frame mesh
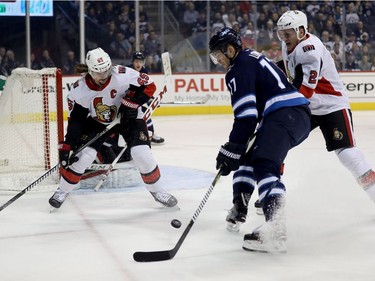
47	114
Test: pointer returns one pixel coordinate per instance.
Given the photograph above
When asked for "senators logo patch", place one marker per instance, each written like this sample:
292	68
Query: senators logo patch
308	48
105	113
337	135
142	136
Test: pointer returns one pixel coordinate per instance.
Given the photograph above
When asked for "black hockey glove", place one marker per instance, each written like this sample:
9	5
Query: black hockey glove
129	109
229	157
65	151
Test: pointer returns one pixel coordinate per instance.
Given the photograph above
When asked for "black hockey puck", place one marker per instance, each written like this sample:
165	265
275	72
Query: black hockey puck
176	223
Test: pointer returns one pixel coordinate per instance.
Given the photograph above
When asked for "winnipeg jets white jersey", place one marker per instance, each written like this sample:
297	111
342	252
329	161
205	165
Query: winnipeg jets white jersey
319	73
104	102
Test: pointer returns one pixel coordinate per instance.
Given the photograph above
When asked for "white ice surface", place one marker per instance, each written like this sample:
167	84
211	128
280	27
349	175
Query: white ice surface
331	222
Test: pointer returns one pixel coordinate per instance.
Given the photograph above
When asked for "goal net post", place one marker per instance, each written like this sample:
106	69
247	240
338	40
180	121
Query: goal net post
32	125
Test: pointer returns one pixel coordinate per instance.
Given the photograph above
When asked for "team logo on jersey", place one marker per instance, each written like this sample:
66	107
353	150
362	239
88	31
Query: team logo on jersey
308	48
337	135
104	113
142	136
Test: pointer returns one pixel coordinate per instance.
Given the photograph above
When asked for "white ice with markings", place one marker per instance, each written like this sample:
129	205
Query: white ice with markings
331	222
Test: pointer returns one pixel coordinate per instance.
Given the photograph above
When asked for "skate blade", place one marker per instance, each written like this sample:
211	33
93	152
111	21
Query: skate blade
271	248
259	211
234	227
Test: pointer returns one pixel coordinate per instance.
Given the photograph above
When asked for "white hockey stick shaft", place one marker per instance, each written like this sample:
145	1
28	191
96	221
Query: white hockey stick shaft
167	77
109	170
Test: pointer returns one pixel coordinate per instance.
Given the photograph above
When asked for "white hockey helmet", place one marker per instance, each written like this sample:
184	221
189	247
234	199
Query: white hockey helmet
291	19
98	61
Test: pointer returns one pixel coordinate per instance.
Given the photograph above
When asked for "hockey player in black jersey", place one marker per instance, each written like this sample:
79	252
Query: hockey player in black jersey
263	101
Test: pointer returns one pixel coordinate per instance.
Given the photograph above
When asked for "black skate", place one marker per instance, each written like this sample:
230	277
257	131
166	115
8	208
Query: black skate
58	198
237	215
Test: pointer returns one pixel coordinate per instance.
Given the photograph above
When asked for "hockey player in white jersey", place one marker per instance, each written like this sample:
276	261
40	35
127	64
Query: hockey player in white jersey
95	101
310	67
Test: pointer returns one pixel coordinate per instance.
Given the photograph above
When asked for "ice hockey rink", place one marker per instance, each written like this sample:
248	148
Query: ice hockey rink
331	221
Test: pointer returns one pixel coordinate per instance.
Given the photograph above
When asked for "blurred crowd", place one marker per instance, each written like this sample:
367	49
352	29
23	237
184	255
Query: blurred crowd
347	29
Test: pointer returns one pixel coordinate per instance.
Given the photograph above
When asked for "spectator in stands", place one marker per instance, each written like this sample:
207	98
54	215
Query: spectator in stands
2	69
69	63
152	44
332	27
9	63
364	64
338	55
143	23
262	21
92	15
359	29
34	62
373	64
201	24
2	52
352	41
274	53
351	64
112	29
270	33
319	22
151	64
120	48
366	52
368	13
248	36
313	8
108	14
365	40
123	22
217	23
326	40
351	17
45	60
191	16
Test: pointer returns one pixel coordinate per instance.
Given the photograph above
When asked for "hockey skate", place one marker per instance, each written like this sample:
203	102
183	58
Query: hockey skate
267	238
271	236
164	198
367	180
237	215
155	139
258	208
58	198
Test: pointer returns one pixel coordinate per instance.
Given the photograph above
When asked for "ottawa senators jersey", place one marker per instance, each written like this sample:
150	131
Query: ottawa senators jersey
319	74
103	103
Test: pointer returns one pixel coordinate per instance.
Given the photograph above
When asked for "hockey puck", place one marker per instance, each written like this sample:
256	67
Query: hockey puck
176	223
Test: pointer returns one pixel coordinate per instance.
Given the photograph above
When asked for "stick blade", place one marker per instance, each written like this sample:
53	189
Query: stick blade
154	256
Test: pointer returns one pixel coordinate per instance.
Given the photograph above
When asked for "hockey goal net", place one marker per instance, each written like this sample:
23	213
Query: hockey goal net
31	122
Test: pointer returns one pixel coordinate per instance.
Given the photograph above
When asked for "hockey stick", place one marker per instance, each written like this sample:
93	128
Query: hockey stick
50	171
147	114
169	254
109	170
168	75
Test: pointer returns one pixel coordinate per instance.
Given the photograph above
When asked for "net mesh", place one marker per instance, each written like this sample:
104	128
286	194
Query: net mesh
28	122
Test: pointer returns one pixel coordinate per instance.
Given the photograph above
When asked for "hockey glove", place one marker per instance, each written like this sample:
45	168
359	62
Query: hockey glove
130	108
229	157
65	151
